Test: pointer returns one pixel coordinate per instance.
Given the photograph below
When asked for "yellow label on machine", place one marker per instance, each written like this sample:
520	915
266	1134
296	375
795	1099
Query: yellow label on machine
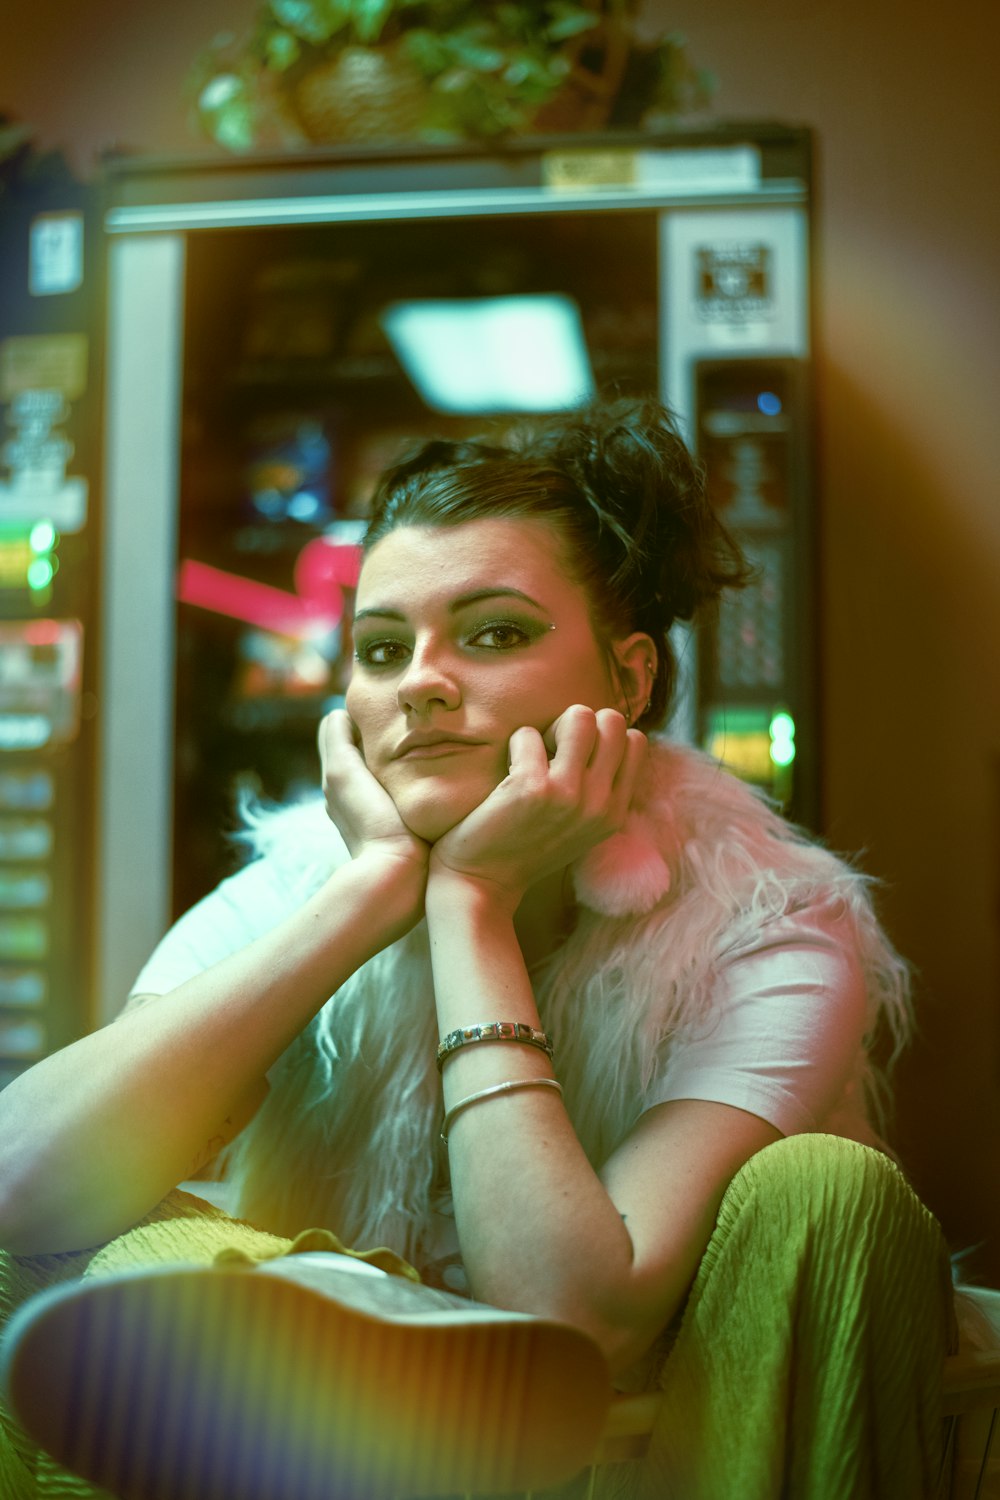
43	362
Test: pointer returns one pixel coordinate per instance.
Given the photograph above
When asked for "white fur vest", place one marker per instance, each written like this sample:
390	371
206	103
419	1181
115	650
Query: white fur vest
348	1136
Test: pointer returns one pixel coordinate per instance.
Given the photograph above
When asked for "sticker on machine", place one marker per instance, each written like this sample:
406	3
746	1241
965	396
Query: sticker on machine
40	677
734	282
36	455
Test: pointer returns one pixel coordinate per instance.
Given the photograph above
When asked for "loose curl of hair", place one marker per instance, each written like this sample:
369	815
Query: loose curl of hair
620	488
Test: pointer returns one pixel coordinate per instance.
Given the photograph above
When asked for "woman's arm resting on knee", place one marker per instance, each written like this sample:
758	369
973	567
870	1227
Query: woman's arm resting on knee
667	1181
95	1135
541	1232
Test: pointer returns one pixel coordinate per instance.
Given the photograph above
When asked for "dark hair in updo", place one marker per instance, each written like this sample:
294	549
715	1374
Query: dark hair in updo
628	500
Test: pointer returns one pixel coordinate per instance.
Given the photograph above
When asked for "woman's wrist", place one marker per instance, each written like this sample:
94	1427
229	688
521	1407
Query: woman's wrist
479	972
392	882
451	891
403	859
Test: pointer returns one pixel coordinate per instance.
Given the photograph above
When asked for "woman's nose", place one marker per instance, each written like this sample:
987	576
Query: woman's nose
429	679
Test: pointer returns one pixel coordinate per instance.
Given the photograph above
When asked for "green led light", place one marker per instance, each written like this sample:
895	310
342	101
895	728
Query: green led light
40	573
782	731
43	537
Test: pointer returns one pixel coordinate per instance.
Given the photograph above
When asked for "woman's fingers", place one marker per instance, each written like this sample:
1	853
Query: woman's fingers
355	800
609	744
336	735
615	766
590	748
630	768
572	738
596	759
527	753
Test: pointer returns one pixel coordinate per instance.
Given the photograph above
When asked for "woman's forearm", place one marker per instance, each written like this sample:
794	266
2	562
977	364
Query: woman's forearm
538	1231
95	1135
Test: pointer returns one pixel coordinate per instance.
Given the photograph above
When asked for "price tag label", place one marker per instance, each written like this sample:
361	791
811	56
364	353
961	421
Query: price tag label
43	362
578	170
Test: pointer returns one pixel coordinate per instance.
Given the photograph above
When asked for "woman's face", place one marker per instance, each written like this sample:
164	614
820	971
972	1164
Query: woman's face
462	635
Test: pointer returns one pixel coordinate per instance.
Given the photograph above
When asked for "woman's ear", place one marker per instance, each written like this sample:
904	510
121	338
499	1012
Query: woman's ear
635	673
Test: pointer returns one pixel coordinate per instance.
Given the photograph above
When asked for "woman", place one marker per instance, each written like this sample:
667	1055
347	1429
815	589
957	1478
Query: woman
685	1175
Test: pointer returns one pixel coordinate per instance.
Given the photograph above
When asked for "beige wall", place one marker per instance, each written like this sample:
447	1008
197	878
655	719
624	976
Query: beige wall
902	98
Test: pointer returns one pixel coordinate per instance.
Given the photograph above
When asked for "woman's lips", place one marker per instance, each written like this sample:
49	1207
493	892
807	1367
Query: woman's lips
438	749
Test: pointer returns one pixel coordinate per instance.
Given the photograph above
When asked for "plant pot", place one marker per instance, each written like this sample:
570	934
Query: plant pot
586	99
571	108
363	94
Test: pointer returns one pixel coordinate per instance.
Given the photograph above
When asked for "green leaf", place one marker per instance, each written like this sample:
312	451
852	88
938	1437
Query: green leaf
567	21
475	55
369	17
478	29
232	126
527	69
283	50
453	81
516	73
220	93
309	20
427	51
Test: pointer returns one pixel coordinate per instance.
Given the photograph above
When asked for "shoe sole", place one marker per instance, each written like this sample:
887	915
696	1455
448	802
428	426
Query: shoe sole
185	1384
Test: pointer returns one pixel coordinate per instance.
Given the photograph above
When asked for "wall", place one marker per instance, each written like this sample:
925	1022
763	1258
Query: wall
902	101
902	98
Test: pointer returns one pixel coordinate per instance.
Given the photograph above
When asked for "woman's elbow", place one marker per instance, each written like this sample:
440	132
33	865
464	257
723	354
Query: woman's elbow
15	1236
624	1334
623	1346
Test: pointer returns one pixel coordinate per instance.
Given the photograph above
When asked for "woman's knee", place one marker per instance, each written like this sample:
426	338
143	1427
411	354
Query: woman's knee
823	1213
806	1167
818	1183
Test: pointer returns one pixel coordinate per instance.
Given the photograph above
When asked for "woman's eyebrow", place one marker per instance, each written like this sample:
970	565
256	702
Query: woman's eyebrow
462	602
480	594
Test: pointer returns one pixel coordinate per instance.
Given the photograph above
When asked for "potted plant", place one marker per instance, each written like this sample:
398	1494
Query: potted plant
334	70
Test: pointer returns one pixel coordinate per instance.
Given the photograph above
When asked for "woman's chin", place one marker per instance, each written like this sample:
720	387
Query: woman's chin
432	823
429	812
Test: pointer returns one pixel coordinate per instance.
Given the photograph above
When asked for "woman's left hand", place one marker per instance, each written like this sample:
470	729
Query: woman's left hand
547	812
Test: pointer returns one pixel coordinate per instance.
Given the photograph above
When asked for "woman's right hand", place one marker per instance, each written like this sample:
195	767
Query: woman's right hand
360	807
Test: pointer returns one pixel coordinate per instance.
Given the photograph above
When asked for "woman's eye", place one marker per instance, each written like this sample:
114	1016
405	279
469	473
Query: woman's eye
379	653
501	635
493	635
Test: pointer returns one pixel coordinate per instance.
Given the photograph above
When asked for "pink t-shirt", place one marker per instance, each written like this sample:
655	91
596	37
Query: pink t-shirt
785	1041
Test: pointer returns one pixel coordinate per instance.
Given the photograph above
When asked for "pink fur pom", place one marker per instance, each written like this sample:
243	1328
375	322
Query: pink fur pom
624	875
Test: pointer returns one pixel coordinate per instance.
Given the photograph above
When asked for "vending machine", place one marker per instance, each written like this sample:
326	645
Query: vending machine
50	360
276	329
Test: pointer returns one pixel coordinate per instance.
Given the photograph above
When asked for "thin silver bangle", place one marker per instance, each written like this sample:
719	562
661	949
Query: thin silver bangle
497	1088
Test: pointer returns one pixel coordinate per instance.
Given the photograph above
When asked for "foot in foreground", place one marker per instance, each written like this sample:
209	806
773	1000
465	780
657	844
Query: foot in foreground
307	1378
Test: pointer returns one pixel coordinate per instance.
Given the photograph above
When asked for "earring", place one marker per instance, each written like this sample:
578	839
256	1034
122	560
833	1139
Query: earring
645	709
